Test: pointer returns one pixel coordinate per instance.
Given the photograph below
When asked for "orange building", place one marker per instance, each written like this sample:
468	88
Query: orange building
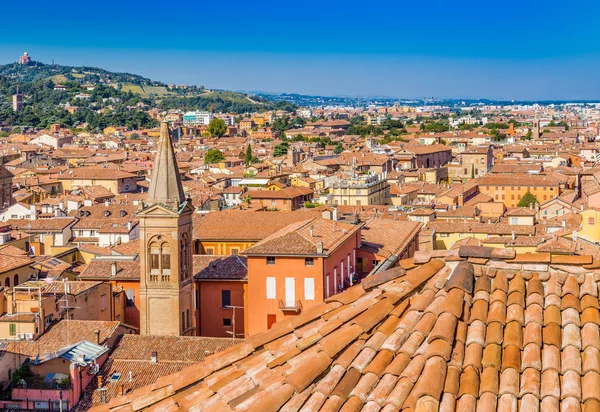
509	189
220	286
124	274
297	268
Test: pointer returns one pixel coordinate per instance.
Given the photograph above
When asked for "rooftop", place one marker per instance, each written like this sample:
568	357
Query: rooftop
471	329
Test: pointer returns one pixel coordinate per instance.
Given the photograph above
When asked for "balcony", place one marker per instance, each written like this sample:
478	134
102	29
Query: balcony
297	307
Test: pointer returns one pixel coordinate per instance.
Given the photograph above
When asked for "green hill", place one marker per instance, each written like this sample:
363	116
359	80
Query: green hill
120	99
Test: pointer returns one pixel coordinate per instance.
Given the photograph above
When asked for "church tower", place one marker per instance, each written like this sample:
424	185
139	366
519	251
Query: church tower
166	284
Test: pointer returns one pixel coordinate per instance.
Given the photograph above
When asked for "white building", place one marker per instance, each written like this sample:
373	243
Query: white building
197	118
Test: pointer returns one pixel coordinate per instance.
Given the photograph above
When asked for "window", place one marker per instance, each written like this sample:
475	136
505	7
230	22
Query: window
130	297
591	221
189	318
375	263
103	301
226	322
154	257
210	251
225	298
309	261
271	288
235	251
309	289
166	258
182	320
290	292
514	220
12	329
270	260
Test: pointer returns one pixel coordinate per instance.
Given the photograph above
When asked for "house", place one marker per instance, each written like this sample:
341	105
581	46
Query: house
510	188
116	181
220	283
123	273
287	199
233	231
297	268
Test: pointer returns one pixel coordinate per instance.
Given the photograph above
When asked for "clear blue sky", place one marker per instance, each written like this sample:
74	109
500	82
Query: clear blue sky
527	49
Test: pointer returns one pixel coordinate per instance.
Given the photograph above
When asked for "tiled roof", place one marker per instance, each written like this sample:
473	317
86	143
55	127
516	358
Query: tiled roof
133	355
303	238
214	267
478	329
387	237
101	269
65	333
245	225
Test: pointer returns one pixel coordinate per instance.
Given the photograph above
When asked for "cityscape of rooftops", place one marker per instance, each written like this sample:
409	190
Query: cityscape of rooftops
300	207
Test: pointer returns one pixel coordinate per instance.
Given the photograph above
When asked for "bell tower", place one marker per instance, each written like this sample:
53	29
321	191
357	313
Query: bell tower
166	284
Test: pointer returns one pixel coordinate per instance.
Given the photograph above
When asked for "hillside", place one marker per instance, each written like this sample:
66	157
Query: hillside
102	97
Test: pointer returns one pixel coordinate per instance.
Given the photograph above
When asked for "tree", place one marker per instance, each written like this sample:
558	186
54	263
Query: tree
248	158
527	199
338	149
217	127
213	156
281	149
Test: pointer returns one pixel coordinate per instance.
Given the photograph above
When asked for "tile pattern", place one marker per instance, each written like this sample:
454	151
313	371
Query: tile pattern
483	330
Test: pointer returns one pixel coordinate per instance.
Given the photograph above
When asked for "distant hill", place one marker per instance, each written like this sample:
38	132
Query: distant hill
106	94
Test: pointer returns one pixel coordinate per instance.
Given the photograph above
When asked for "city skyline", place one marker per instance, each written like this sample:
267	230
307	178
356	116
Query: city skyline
406	52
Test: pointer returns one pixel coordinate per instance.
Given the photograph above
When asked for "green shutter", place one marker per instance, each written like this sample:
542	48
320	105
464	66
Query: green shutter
12	329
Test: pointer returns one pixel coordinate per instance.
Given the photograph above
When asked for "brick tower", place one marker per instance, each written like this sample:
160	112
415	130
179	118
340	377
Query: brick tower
166	286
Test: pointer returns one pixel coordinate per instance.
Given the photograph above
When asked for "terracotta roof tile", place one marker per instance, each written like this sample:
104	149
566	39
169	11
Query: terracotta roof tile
440	336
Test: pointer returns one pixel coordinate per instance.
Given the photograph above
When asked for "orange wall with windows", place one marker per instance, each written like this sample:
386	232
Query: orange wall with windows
511	195
260	308
210	314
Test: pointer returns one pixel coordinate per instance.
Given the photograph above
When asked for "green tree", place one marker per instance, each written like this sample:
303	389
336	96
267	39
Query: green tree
281	149
213	156
338	148
217	127
248	158
527	199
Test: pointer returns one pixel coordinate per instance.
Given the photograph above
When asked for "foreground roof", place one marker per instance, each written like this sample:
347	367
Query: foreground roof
462	330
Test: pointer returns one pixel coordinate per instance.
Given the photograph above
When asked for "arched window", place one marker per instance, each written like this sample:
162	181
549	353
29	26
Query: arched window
159	261
16	280
7	282
182	321
189	320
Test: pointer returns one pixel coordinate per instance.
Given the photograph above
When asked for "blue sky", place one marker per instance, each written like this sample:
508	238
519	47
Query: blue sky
527	49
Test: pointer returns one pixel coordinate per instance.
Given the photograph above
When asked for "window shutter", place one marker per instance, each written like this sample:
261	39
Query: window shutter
271	288
309	289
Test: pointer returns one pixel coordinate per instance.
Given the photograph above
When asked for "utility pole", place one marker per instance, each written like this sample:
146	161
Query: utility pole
233	319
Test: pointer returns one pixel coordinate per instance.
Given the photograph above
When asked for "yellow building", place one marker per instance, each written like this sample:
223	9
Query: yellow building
510	188
362	190
590	225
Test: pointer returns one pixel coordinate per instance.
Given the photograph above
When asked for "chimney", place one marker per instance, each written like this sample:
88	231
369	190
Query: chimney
320	248
154	357
113	269
99	381
120	390
33	212
513	235
97	337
